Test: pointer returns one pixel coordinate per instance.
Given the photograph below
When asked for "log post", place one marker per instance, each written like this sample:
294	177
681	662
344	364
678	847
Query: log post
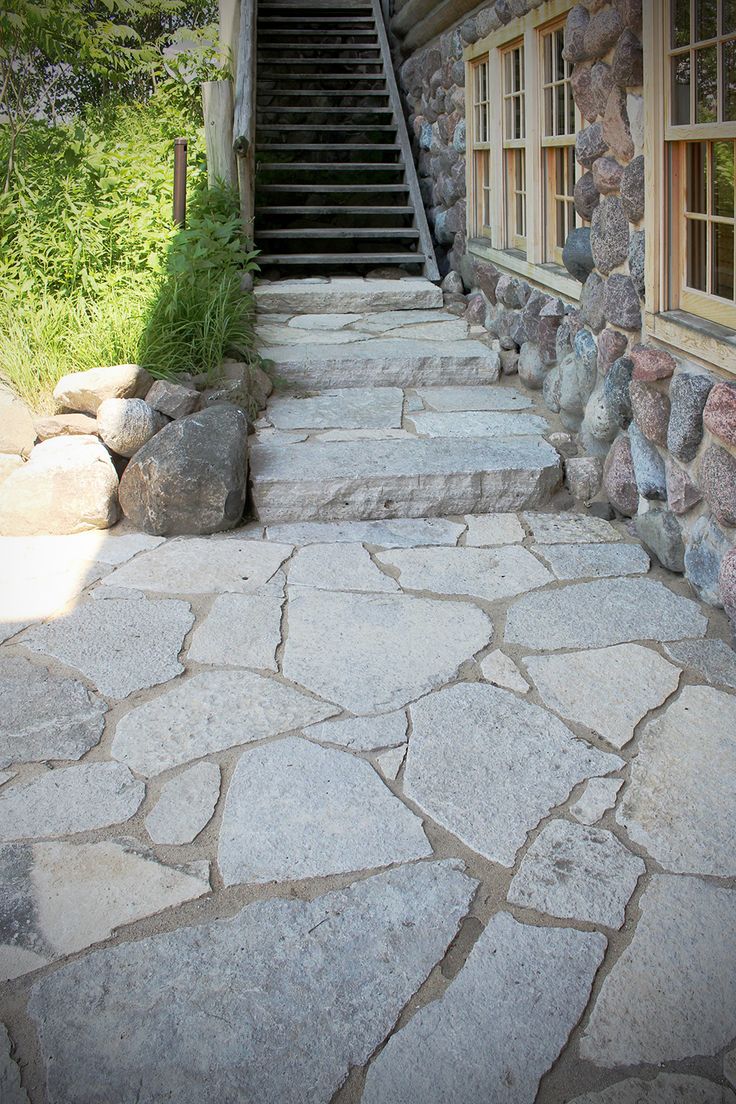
217	102
244	113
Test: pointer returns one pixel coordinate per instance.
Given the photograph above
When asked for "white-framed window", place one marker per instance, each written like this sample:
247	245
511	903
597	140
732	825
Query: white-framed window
691	183
522	147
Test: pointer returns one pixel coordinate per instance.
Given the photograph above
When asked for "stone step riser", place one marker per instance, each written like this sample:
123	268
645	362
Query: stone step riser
408	371
347	295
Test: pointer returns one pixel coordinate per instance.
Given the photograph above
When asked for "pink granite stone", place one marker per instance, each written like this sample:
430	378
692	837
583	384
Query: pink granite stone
727	584
682	494
651	410
619	481
651	363
718	480
719	415
611	345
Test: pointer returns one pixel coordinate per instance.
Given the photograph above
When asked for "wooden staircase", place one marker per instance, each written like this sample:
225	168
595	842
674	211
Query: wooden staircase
336	185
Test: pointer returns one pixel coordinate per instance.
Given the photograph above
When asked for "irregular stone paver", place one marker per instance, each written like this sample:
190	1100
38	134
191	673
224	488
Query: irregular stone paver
666	1088
201	1012
485	573
570	528
473	398
396	533
115	546
348	408
713	660
296	810
501	670
5	776
62	897
185	805
376	652
69	800
680	803
489	766
362	733
241	630
606	689
499	1026
11	1091
606	611
121	646
597	798
201	566
45	716
323	321
577	873
729	1067
399	320
338	567
389	762
489	529
670	994
586	561
476	423
40	578
209	713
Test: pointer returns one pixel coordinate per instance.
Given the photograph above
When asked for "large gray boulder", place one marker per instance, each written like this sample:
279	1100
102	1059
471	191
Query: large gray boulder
84	391
191	477
69	485
126	425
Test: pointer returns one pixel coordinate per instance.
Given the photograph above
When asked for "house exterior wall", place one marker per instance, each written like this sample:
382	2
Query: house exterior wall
652	427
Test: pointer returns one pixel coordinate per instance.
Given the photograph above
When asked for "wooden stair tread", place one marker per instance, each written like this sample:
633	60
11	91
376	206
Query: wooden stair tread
323	188
308	212
340	259
342	232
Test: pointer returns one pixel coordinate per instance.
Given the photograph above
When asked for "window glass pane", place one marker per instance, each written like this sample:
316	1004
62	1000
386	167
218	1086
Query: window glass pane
681	90
728	16
706	85
680	22
548	52
571	128
549	116
723	260
697	178
697	253
723	179
559	38
729	79
706	19
560	109
517	70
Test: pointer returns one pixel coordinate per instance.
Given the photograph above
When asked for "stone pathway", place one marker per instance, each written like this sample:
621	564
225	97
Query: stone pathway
436	810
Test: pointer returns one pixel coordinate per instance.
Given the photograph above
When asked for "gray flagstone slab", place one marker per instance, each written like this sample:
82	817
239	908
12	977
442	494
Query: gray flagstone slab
665	1088
594	561
474	398
338	567
185	805
392	533
11	1090
198	565
241	630
347	408
476	423
362	733
491	574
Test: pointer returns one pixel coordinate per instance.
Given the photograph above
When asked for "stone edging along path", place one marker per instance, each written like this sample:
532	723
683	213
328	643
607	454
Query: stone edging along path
405	810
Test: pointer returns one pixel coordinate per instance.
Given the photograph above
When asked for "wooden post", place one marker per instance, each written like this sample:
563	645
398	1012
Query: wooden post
217	101
229	22
244	113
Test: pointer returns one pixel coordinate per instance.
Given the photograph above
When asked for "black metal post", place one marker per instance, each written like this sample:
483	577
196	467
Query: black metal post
180	181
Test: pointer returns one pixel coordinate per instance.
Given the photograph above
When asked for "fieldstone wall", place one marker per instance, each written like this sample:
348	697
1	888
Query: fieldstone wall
649	436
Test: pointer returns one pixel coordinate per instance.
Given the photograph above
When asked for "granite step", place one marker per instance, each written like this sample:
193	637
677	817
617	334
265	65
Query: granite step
346	295
400	477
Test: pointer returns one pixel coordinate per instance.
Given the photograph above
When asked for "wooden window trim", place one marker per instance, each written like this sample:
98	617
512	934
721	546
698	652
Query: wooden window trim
532	259
673	318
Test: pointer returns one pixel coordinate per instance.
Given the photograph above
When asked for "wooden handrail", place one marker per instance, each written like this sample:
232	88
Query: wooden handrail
244	118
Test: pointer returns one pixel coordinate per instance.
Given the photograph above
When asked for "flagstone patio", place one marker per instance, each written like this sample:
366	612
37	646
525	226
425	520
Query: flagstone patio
402	812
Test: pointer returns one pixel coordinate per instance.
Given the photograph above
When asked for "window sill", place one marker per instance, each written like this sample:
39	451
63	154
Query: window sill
512	262
708	343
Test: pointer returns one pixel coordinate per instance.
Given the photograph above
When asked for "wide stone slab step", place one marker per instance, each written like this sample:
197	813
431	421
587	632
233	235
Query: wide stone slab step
322	481
336	296
394	362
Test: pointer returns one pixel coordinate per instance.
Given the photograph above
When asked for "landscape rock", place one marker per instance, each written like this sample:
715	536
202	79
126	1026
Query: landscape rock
619	480
241	630
61	897
660	533
484	1034
67	486
69	800
356	957
45	716
577	256
719	415
65	425
583	477
651	410
348	819
493	785
665	998
17	433
617	391
602	612
9	464
83	392
125	425
121	646
587	196
373	653
576	25
713	660
649	470
209	713
717	480
686	760
531	369
592	303
191	477
590	144
612	344
596	799
185	805
706	547
577	872
172	399
688	395
608	690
